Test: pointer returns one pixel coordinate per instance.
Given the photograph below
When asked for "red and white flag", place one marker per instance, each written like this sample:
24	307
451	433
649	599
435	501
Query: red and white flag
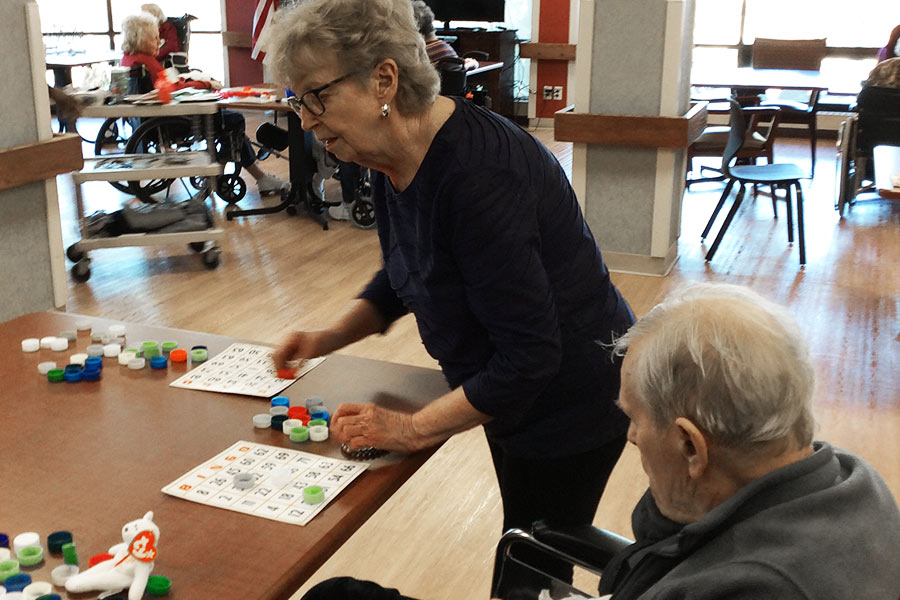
262	19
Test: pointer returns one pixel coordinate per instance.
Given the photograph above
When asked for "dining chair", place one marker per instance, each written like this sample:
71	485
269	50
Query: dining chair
759	141
804	55
778	175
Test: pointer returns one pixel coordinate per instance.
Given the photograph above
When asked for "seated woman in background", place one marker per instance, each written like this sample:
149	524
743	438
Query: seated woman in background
167	33
436	48
892	48
140	39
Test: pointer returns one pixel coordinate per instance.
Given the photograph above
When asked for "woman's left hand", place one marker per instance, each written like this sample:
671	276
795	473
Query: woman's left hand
364	425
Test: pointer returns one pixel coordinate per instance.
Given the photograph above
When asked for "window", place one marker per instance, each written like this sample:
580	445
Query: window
89	26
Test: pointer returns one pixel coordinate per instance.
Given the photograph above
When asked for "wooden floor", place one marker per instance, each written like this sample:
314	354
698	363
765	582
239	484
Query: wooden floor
435	538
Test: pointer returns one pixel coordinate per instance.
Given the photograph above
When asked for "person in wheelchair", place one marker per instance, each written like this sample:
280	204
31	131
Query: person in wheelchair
140	40
168	35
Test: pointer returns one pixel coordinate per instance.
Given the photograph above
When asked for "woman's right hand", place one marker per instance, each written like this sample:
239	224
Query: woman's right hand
306	344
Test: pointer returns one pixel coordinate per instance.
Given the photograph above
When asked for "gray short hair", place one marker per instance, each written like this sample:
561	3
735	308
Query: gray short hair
424	18
154	10
137	31
360	34
729	360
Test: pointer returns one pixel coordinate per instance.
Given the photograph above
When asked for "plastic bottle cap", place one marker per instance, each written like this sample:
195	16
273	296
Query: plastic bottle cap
69	334
56	540
150	348
169	346
316	422
23	540
278	410
277	421
158	585
82	325
59	344
244	481
159	362
199	354
99	558
127	356
178	355
299	434
70	554
30	556
314	401
45	367
112	350
91	375
281	401
263	421
7	568
94	350
318	433
321	415
55	375
295	412
73	376
31	345
17	582
4	554
117	330
37	589
313	494
47	342
286	373
136	364
60	574
93	362
4	540
290	424
78	358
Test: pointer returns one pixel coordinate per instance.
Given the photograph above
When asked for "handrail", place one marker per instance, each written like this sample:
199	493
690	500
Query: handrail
40	160
630	130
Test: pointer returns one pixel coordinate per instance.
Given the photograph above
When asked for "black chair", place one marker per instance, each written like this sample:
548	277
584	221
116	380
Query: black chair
584	546
777	175
452	71
182	25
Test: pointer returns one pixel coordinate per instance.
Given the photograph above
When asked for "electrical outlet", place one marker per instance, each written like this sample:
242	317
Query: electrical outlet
548	92
557	92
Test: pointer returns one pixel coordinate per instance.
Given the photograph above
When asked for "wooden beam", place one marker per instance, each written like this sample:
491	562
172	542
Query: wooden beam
40	160
630	130
237	39
545	51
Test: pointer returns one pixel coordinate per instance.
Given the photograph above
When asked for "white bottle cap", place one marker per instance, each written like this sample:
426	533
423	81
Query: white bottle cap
82	325
95	350
31	345
127	357
117	330
318	433
59	344
290	424
47	342
111	350
280	476
278	410
62	573
35	590
262	421
136	363
44	367
4	555
78	359
24	540
69	334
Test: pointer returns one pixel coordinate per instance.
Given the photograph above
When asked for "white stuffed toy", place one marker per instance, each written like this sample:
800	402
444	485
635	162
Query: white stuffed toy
130	566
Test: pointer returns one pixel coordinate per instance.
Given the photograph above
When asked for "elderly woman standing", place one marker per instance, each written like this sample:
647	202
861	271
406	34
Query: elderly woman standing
484	242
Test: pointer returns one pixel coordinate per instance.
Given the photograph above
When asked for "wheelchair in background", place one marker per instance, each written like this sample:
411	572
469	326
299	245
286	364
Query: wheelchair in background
876	121
585	547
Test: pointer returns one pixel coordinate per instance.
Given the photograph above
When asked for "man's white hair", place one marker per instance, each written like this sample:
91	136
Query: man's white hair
729	360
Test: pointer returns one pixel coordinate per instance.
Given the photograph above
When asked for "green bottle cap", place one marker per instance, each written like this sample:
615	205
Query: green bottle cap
70	555
158	585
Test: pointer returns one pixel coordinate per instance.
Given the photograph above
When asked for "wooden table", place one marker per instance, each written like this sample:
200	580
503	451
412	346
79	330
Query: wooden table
742	78
89	457
887	163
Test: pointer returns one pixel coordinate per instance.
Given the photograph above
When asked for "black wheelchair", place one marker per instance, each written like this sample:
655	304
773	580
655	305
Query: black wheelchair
876	121
585	547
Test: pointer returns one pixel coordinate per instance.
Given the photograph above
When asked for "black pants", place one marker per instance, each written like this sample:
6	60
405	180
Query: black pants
561	491
348	588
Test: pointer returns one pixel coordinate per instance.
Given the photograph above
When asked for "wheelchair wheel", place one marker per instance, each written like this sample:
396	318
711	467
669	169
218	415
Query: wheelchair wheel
231	188
111	139
362	213
159	135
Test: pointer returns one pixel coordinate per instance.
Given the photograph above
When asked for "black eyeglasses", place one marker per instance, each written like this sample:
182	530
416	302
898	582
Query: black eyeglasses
311	99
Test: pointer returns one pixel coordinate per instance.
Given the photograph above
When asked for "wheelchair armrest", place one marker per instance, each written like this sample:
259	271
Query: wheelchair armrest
476	54
586	543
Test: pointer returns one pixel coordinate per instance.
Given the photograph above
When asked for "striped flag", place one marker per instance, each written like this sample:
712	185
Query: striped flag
262	18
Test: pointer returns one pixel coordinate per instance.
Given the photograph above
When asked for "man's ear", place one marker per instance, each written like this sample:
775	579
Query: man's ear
694	447
385	78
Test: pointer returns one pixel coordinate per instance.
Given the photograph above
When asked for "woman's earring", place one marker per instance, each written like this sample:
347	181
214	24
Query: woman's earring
385	109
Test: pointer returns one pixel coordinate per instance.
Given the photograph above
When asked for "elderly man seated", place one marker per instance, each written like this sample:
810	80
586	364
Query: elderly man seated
742	503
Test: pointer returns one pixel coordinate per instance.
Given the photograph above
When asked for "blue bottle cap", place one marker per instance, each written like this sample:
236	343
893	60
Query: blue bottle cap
93	361
4	540
73	376
17	582
73	367
281	401
320	414
50	597
92	375
159	362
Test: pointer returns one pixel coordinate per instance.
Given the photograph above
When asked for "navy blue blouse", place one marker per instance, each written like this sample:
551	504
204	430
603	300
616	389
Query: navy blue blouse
488	248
